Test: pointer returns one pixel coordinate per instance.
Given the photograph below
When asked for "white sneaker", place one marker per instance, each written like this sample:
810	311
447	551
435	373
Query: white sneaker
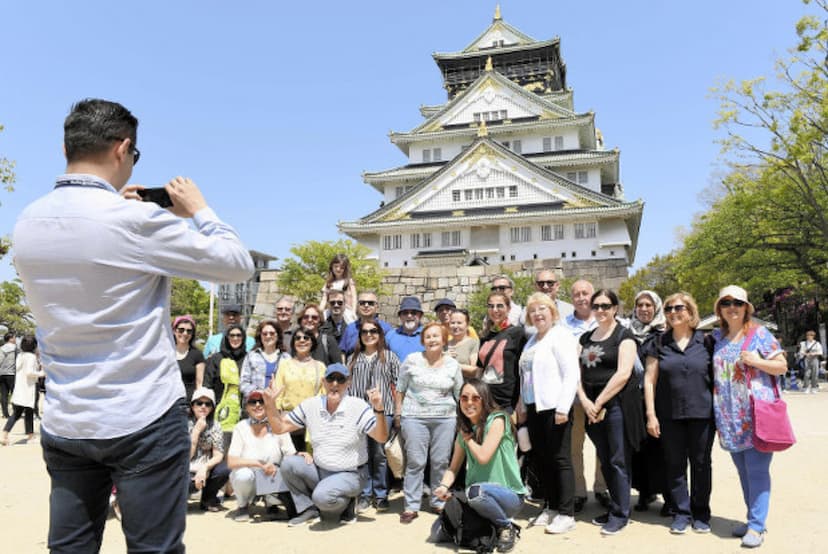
544	518
561	524
808	390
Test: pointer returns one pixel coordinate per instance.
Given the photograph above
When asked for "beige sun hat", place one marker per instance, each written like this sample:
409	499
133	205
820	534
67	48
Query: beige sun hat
735	292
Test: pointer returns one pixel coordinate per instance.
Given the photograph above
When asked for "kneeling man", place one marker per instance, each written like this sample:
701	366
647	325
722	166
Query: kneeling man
328	482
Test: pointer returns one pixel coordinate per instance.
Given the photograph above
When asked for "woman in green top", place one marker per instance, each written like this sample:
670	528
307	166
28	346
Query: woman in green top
495	490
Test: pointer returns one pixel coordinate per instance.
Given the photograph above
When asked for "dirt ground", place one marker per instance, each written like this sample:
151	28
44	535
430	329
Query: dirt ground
797	511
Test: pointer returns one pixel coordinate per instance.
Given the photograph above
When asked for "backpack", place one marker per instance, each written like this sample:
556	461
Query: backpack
466	527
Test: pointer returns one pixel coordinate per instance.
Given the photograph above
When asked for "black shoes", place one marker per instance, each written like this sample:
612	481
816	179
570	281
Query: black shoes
506	538
579	503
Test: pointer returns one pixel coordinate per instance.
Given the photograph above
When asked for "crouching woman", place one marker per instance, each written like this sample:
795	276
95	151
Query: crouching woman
486	442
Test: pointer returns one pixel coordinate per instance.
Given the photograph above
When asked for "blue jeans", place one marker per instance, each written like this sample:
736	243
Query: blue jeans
375	473
150	469
754	475
615	457
425	438
494	502
309	485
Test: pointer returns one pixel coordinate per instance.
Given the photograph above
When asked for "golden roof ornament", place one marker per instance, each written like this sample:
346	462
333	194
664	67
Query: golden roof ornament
482	130
489	66
497	13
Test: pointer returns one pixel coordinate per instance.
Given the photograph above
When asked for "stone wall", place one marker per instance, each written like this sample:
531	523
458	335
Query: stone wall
457	283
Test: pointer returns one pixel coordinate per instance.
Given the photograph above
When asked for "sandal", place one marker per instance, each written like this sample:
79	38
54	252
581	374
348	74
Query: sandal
407	517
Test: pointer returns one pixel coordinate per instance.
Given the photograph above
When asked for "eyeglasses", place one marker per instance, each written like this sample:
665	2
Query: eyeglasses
500	288
336	378
336	302
255	402
184	331
302	338
372	331
136	154
367	302
310	317
545	284
677	308
731	302
602	307
496	306
470	398
268	333
203	403
235	335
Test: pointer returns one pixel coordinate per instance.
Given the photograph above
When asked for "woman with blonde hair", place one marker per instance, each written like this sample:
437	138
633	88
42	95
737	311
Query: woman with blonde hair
678	394
746	360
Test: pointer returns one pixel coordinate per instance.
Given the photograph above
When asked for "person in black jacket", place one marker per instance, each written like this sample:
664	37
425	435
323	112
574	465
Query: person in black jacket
500	348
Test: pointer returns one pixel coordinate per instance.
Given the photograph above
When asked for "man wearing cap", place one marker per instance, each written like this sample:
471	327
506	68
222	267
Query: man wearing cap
366	311
443	310
230	315
329	481
405	339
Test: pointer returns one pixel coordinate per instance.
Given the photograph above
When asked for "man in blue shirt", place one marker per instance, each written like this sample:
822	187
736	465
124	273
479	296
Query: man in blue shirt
405	339
366	311
96	267
230	315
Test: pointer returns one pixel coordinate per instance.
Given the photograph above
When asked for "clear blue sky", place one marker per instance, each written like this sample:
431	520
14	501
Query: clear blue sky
276	108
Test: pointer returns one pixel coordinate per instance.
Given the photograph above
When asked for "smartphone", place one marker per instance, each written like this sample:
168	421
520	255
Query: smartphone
159	195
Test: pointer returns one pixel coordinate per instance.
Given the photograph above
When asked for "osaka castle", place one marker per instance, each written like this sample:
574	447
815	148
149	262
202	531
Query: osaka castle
506	170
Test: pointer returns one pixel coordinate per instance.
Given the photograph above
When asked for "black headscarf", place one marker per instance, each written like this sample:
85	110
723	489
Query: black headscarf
227	351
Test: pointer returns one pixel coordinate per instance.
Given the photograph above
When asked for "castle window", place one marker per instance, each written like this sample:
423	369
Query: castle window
559	143
552	232
455	196
426	155
468	194
501	192
585	230
513	191
547	144
490	192
438	154
583	177
414	241
520	234
392	242
478	194
399	191
516	146
450	238
572	176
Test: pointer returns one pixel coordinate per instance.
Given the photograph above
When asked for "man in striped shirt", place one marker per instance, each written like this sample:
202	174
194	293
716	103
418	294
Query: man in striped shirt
328	482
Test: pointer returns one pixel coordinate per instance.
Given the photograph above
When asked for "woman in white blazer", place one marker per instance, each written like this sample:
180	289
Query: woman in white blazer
549	374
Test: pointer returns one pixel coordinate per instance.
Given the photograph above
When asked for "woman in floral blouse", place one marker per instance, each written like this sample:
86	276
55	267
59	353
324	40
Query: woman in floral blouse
745	355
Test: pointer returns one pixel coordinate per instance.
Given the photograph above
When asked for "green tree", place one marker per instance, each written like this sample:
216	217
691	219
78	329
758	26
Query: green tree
524	287
7	178
187	296
658	276
14	313
303	275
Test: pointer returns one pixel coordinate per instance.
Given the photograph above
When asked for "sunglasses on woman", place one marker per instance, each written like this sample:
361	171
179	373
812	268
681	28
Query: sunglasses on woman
732	302
184	331
601	307
203	403
677	308
255	402
366	332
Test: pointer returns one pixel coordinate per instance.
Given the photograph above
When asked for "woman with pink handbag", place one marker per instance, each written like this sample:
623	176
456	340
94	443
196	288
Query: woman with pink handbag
746	360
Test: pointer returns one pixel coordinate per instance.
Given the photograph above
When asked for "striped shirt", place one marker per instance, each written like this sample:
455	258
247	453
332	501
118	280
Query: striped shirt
368	372
338	439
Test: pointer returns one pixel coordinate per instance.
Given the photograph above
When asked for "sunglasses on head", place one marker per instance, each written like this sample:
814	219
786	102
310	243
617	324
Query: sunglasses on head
255	401
677	308
184	331
728	302
336	378
604	307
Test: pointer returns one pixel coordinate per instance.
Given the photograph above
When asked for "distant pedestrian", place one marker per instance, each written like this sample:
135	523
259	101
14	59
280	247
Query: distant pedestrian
25	388
810	352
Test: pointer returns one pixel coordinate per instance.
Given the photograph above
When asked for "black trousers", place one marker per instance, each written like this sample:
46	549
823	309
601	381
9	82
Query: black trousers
690	440
6	389
552	448
28	418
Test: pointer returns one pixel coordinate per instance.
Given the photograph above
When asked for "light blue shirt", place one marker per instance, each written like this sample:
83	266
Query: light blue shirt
579	326
96	269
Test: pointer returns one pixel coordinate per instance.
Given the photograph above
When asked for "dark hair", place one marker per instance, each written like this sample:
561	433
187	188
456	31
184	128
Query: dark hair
305	309
487	407
186	319
228	351
462	311
346	269
381	344
28	344
306	331
93	124
279	335
502	295
613	298
8	336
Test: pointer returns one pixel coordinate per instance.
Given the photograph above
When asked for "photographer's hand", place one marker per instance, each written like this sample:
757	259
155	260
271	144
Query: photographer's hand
185	196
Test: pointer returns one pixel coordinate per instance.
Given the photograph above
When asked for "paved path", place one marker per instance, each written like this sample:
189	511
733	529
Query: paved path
796	522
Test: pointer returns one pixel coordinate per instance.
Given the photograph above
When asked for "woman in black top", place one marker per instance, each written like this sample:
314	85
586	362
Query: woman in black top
613	410
678	391
500	349
190	359
327	349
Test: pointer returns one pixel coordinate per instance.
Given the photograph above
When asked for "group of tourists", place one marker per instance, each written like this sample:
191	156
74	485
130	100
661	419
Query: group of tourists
300	420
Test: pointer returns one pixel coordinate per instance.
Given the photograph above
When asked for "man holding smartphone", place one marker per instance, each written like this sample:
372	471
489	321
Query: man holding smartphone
96	269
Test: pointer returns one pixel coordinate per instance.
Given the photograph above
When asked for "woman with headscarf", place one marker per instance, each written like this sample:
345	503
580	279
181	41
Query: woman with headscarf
222	374
648	476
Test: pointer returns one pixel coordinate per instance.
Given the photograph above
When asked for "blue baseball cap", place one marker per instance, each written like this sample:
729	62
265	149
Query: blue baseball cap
337	368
